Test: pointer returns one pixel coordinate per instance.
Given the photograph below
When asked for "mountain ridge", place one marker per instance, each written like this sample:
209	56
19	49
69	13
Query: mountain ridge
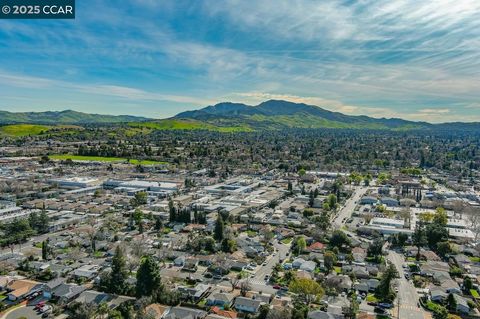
230	116
275	113
65	117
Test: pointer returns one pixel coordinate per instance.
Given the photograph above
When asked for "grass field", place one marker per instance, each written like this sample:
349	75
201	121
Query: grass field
103	159
20	130
170	124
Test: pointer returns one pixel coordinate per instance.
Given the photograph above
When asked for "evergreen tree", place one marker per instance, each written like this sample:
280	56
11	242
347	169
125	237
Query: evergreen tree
119	274
45	249
218	234
43	222
148	278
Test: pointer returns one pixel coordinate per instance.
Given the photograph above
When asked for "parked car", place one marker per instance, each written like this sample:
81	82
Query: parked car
276	287
39	305
45	309
385	305
380	310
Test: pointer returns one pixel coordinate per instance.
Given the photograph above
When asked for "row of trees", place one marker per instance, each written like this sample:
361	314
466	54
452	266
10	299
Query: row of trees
20	229
148	280
433	234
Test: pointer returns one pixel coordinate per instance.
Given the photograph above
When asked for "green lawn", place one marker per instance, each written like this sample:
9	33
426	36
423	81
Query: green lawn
184	124
251	233
372	298
103	159
98	254
474	293
338	270
19	130
286	241
432	306
474	259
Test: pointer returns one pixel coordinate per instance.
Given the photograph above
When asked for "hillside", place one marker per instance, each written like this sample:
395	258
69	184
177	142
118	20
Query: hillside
277	114
64	117
224	117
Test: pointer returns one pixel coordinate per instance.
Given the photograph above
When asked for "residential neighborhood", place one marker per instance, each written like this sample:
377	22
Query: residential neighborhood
89	241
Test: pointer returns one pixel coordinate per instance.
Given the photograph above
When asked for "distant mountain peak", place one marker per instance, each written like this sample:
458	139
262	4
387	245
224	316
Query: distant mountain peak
281	113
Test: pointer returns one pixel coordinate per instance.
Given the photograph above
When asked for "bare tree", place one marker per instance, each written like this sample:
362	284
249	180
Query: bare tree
235	280
75	253
245	287
473	217
137	248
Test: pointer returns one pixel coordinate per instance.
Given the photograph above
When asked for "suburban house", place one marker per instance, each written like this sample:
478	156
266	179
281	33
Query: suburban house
220	299
19	289
249	305
185	313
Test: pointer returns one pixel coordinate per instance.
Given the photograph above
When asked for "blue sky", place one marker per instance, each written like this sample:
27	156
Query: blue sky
418	60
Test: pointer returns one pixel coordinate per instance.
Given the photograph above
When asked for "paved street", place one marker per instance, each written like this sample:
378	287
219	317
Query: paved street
407	294
347	209
25	312
281	253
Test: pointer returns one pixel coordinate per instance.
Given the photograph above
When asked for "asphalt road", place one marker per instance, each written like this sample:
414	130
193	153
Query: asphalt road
27	312
349	206
407	296
281	253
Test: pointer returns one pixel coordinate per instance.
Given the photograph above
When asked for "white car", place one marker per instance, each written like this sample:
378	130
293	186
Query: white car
45	308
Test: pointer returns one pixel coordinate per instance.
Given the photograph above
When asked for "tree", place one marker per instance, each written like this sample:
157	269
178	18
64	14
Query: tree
263	311
399	240
419	238
229	245
45	249
375	248
440	217
352	310
329	259
245	287
158	224
384	290
435	233
43	222
140	198
332	201
290	187
148	278
440	312
119	274
218	232
467	284
338	239
451	302
300	244
307	289
443	248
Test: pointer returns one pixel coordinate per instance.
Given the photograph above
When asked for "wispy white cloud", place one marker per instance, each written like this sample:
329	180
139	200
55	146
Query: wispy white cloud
398	57
129	93
333	105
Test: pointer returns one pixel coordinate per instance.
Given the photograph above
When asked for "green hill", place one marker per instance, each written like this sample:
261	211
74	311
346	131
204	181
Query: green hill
64	117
